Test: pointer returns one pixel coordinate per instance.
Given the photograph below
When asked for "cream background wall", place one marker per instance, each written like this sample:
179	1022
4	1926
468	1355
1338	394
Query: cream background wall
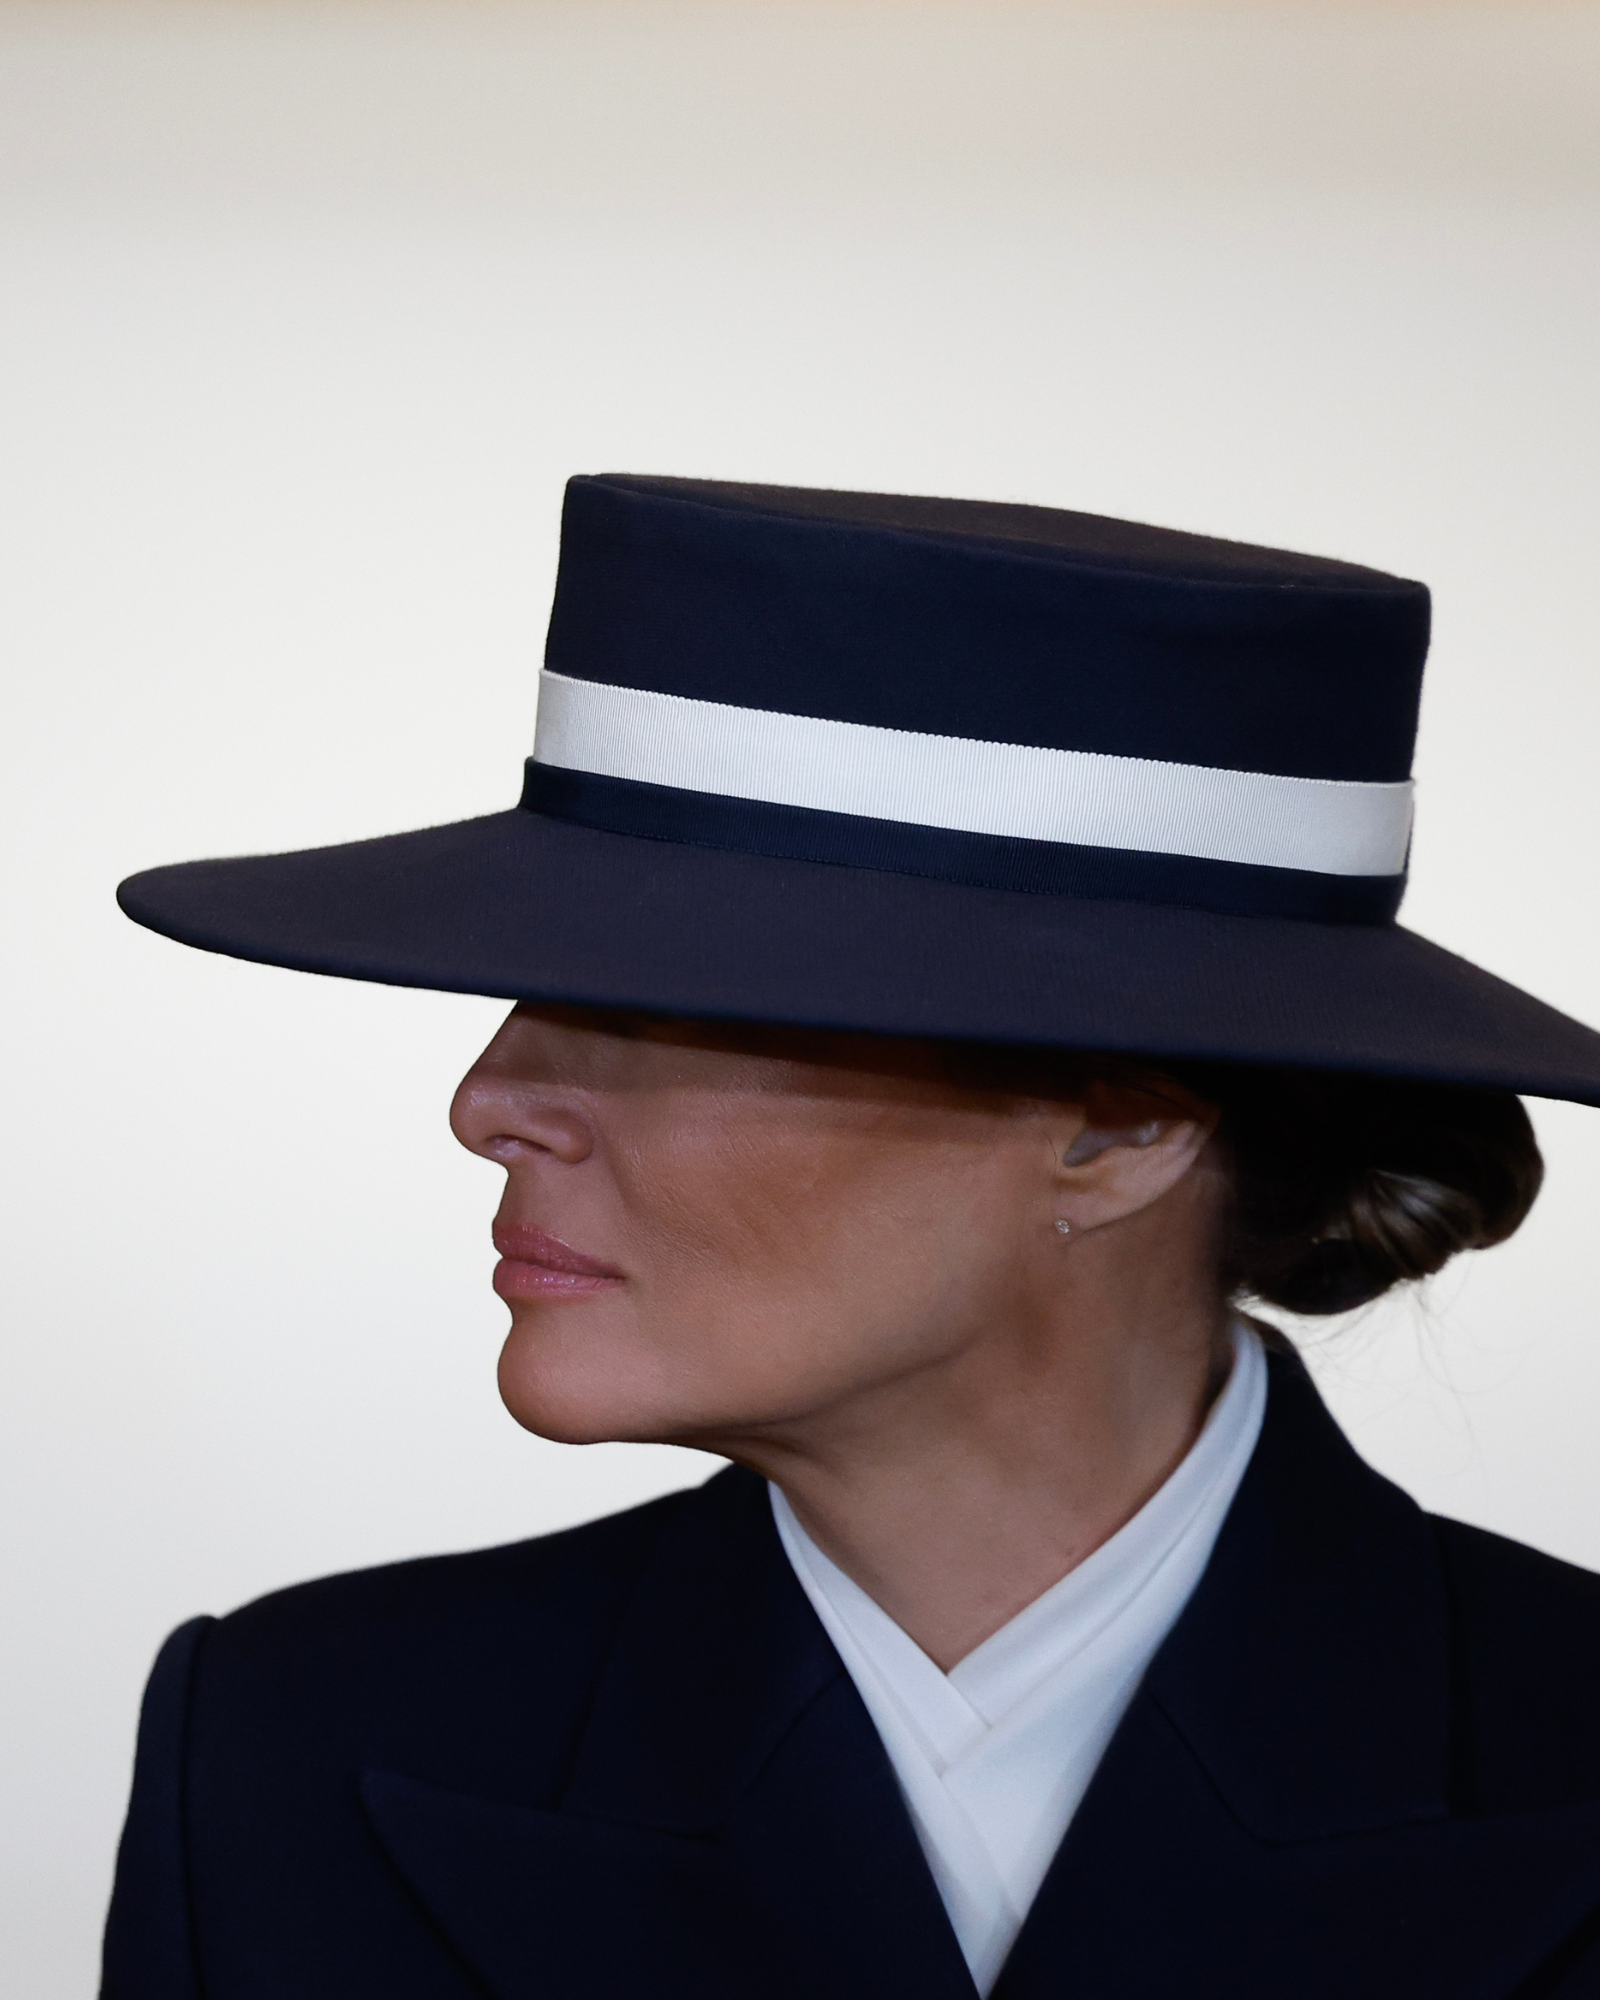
308	311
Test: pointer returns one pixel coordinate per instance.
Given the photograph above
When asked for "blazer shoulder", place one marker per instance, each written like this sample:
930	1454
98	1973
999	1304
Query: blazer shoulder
575	1574
148	1947
412	1654
1526	1647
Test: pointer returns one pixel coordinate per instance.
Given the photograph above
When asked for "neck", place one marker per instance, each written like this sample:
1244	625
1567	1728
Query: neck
957	1496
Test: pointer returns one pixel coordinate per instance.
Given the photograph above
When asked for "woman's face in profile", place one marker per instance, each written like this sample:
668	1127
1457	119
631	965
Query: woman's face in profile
709	1232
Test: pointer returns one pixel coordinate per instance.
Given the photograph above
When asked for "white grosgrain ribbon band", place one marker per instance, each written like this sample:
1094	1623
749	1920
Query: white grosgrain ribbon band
1321	825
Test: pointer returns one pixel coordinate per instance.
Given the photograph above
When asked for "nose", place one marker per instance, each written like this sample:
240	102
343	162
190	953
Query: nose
513	1103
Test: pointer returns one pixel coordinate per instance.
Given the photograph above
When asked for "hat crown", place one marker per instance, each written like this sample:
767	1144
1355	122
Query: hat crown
991	622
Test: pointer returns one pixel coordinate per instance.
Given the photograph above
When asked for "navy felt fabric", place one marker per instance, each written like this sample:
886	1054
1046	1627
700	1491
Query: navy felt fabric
624	1763
1127	643
527	907
1017	624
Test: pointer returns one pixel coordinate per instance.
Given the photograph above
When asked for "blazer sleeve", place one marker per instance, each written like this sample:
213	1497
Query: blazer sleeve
149	1946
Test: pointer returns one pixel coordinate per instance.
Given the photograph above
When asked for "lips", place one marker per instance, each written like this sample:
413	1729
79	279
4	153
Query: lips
536	1265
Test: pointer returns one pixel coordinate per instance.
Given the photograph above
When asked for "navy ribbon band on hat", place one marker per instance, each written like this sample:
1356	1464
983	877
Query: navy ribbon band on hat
657	766
978	860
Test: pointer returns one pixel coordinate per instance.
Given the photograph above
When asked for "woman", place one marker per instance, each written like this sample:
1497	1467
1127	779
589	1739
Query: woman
955	968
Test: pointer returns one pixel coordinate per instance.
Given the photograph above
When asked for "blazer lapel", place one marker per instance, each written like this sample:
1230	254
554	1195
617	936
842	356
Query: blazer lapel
731	1825
1274	1814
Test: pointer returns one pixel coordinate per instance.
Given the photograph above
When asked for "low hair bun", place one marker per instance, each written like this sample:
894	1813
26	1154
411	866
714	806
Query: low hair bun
1344	1187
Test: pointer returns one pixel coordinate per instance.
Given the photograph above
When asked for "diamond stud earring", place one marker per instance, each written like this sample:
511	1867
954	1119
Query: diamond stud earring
1064	1227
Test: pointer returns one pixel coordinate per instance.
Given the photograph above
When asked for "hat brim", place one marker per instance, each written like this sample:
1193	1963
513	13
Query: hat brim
521	906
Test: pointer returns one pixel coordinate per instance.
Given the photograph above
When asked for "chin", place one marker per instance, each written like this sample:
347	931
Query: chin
576	1388
579	1380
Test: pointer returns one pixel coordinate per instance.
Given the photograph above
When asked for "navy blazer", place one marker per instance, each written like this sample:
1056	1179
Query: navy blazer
625	1763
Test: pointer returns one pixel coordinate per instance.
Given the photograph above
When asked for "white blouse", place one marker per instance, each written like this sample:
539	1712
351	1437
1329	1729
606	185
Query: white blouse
994	1757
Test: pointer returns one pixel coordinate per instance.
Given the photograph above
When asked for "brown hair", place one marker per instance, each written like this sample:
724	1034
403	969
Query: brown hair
1344	1186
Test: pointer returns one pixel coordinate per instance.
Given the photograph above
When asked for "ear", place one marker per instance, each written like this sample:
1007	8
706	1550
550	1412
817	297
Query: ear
1132	1147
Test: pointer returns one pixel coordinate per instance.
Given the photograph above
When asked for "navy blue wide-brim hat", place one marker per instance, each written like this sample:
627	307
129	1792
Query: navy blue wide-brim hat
935	768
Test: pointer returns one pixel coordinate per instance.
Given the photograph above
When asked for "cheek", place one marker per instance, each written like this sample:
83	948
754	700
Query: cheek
775	1263
766	1207
785	1267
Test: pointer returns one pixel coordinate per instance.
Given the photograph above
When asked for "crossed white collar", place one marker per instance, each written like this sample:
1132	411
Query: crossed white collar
994	1757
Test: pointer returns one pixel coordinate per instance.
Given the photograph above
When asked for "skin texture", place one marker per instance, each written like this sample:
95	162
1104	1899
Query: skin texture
835	1259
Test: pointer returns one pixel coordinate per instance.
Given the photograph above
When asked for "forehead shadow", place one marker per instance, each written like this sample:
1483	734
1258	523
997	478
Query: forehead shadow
977	1071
